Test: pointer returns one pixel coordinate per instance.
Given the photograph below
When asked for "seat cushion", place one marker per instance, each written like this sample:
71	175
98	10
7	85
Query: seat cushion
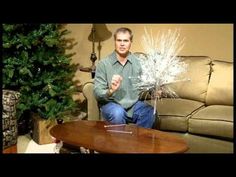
177	106
174	113
215	120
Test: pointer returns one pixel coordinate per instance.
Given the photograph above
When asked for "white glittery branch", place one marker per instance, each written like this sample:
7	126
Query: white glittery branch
161	65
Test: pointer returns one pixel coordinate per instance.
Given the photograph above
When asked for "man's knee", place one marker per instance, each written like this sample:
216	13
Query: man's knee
117	113
114	114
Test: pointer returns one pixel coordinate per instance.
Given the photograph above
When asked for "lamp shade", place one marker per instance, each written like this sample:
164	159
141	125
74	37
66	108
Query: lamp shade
101	33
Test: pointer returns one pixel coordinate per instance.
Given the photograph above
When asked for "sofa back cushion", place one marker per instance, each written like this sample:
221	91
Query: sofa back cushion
198	71
220	89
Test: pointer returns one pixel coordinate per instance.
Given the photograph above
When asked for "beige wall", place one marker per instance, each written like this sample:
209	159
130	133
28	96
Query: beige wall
213	40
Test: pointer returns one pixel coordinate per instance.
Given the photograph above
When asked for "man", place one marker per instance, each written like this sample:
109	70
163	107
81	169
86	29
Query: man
117	97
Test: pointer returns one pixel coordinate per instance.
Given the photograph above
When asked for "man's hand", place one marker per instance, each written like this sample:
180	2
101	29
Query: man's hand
115	83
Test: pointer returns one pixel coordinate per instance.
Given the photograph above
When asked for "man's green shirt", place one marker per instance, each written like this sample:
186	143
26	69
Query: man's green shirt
127	94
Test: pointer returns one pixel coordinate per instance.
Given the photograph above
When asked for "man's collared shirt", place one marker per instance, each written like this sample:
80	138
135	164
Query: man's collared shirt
126	95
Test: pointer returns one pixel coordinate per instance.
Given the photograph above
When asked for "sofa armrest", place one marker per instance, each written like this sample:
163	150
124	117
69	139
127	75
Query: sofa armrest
92	105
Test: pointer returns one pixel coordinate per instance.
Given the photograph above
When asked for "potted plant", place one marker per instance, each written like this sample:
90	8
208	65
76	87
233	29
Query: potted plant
36	63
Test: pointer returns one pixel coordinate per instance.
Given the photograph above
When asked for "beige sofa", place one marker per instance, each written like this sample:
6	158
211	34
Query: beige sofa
203	113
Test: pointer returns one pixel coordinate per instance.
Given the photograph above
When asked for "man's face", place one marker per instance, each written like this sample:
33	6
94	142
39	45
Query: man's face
122	43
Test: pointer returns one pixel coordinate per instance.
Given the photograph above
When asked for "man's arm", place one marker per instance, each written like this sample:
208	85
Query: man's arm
101	88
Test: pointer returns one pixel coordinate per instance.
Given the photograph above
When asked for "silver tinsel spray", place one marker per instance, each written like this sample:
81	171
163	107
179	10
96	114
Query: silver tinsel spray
160	63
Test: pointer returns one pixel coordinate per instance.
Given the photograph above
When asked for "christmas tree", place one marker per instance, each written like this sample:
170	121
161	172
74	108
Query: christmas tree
36	64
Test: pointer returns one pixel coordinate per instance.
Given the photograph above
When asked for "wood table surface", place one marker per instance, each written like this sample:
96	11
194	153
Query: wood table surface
128	138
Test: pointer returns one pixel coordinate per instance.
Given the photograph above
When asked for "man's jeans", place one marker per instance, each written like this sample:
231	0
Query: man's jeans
143	114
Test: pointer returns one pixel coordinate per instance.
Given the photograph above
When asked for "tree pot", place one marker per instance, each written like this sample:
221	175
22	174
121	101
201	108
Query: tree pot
41	128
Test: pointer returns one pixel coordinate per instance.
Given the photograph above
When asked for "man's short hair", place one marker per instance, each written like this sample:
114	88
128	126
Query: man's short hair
124	30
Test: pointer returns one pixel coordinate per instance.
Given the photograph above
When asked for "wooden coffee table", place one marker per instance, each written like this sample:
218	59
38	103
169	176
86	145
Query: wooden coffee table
118	139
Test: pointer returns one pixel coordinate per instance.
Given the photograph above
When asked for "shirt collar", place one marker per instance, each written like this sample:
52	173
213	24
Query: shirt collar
114	58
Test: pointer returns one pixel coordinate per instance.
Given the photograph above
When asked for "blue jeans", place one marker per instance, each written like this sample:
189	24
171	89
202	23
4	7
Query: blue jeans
142	116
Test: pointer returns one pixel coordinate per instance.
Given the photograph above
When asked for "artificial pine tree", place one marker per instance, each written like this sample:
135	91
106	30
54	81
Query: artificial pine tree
35	63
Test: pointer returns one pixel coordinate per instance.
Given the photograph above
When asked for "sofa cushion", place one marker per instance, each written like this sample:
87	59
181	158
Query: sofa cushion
220	89
174	113
198	72
215	120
